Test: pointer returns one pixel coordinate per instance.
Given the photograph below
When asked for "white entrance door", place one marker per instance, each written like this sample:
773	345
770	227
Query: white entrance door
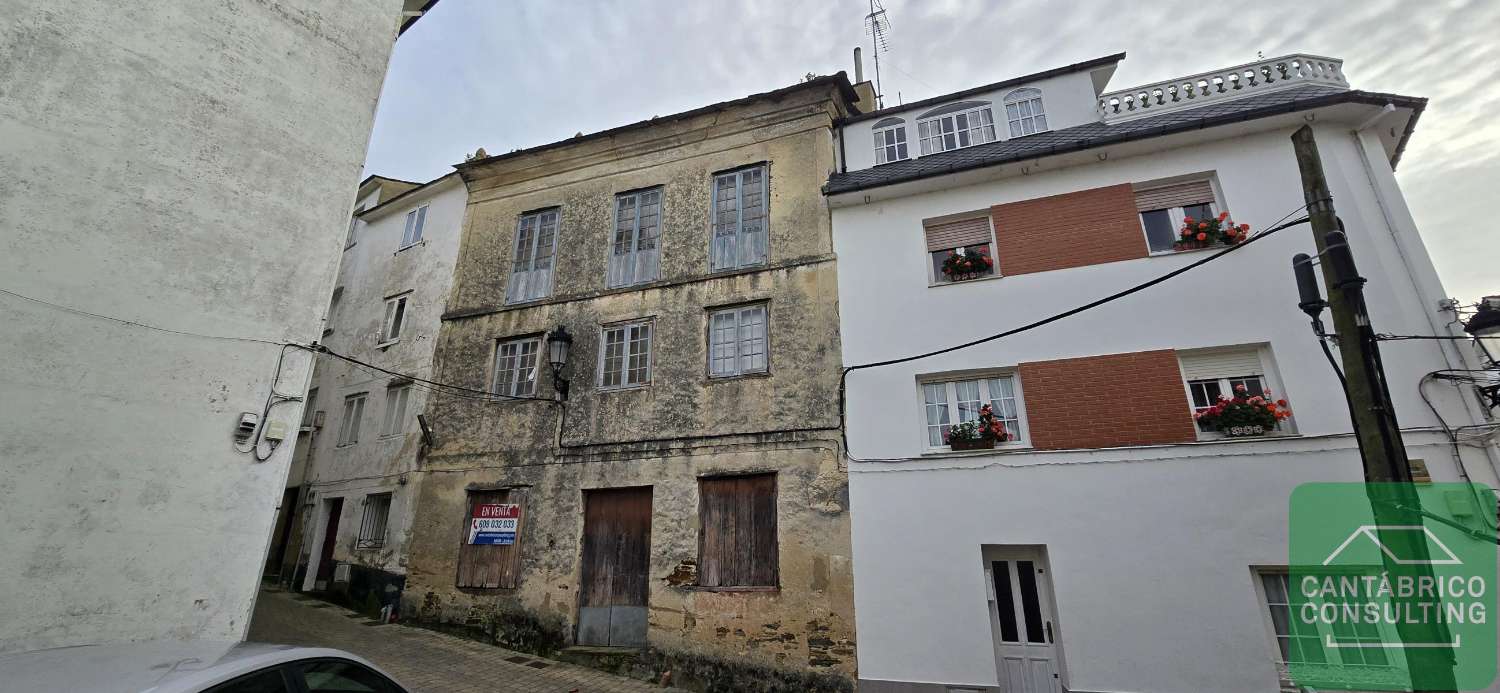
1026	654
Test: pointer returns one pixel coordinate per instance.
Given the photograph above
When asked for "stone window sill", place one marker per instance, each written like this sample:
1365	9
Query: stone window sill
701	588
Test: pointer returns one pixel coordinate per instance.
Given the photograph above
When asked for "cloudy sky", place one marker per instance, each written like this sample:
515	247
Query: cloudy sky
504	74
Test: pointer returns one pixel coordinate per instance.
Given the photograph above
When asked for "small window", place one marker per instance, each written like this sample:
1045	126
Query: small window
957	401
396	399
372	524
949	131
489	562
414	221
536	246
635	256
737	531
959	250
1296	642
395	319
890	144
1024	112
354	410
737	341
309	407
625	356
739	234
1164	209
515	367
350	238
1214	373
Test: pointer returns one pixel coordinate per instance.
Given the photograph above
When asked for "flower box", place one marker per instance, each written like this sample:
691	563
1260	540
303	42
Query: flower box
980	434
1244	415
1244	431
976	444
1206	233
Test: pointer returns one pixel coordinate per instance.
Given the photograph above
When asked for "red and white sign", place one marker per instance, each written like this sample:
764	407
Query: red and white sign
495	523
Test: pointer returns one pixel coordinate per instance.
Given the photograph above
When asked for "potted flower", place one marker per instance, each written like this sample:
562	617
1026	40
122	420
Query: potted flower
981	434
1243	415
968	264
1204	233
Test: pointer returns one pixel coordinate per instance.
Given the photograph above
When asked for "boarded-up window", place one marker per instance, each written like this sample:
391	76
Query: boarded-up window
488	566
737	539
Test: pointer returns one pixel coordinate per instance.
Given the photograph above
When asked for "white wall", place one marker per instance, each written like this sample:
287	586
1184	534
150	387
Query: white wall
1151	548
186	165
1069	100
374	268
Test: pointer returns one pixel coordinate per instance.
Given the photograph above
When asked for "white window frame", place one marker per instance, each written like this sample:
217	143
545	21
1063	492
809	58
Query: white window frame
889	140
949	382
397	310
528	280
625	328
1175	215
373	530
932	131
1029	98
1387	634
636	265
737	315
415	220
1226	381
397	400
738	248
349	423
517	385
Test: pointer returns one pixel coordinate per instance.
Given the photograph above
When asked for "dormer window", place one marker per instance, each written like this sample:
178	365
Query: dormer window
890	141
956	126
1024	112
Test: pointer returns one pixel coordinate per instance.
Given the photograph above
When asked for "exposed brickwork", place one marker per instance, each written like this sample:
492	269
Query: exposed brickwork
1146	402
1088	227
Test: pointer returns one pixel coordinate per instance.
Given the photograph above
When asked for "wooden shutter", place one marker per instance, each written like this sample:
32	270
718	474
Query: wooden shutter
1221	363
737	538
488	566
1169	196
955	234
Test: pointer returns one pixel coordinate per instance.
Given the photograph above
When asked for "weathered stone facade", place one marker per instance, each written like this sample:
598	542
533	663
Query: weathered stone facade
684	425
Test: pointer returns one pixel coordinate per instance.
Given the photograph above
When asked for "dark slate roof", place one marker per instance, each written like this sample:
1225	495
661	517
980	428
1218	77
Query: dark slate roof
1099	134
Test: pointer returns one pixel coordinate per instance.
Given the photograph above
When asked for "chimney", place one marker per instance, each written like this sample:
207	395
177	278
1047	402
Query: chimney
859	66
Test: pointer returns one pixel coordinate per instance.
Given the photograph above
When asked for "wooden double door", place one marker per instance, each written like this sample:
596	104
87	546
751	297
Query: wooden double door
614	581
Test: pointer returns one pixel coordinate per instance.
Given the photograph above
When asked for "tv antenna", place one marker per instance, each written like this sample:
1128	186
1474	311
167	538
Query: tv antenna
878	26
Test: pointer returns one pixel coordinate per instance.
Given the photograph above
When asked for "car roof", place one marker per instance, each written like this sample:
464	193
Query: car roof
160	666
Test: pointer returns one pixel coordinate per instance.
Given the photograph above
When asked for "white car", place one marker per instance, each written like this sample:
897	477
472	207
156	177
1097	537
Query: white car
191	667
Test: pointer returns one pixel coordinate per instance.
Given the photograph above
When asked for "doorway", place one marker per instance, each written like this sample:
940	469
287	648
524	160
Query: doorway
1027	654
332	509
613	583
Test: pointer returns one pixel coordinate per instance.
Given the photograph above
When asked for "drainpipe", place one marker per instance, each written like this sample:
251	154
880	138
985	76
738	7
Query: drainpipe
1452	358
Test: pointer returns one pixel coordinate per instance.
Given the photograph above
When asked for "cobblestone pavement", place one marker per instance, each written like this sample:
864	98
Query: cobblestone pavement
425	661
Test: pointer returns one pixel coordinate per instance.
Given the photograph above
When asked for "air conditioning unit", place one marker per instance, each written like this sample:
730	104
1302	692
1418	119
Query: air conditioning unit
341	572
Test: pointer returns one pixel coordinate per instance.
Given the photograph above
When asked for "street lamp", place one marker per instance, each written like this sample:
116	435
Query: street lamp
1484	327
558	343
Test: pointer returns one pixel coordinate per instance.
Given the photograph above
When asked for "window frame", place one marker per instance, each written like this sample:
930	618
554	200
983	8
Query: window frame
738	310
513	389
363	540
739	235
351	418
635	253
534	248
1027	96
650	325
926	124
949	381
1269	380
1175	215
1385	634
397	309
351	238
897	143
393	420
418	218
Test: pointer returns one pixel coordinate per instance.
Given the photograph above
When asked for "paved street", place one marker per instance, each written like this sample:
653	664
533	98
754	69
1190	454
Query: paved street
423	660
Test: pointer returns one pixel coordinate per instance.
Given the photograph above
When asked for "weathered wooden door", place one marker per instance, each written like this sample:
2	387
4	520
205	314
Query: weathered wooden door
616	558
335	508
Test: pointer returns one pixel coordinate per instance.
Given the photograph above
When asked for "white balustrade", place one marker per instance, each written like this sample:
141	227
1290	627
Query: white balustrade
1214	86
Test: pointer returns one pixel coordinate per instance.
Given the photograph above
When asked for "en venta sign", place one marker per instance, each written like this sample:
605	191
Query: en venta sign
495	524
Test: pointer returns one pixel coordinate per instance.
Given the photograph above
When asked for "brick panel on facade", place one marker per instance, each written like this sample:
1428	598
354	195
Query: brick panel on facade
1088	227
1143	404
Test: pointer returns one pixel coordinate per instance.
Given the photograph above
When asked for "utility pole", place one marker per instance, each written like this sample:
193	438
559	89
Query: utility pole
1393	498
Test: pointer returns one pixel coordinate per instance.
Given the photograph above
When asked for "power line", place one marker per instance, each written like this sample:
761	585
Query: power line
134	323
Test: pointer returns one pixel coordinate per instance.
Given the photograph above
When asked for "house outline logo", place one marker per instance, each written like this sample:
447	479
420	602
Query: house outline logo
1370	531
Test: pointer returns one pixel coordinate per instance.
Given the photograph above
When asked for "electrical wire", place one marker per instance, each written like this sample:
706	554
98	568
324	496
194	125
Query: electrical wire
134	323
1279	225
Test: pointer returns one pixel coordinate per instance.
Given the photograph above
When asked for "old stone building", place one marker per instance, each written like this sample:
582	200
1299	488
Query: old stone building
683	492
